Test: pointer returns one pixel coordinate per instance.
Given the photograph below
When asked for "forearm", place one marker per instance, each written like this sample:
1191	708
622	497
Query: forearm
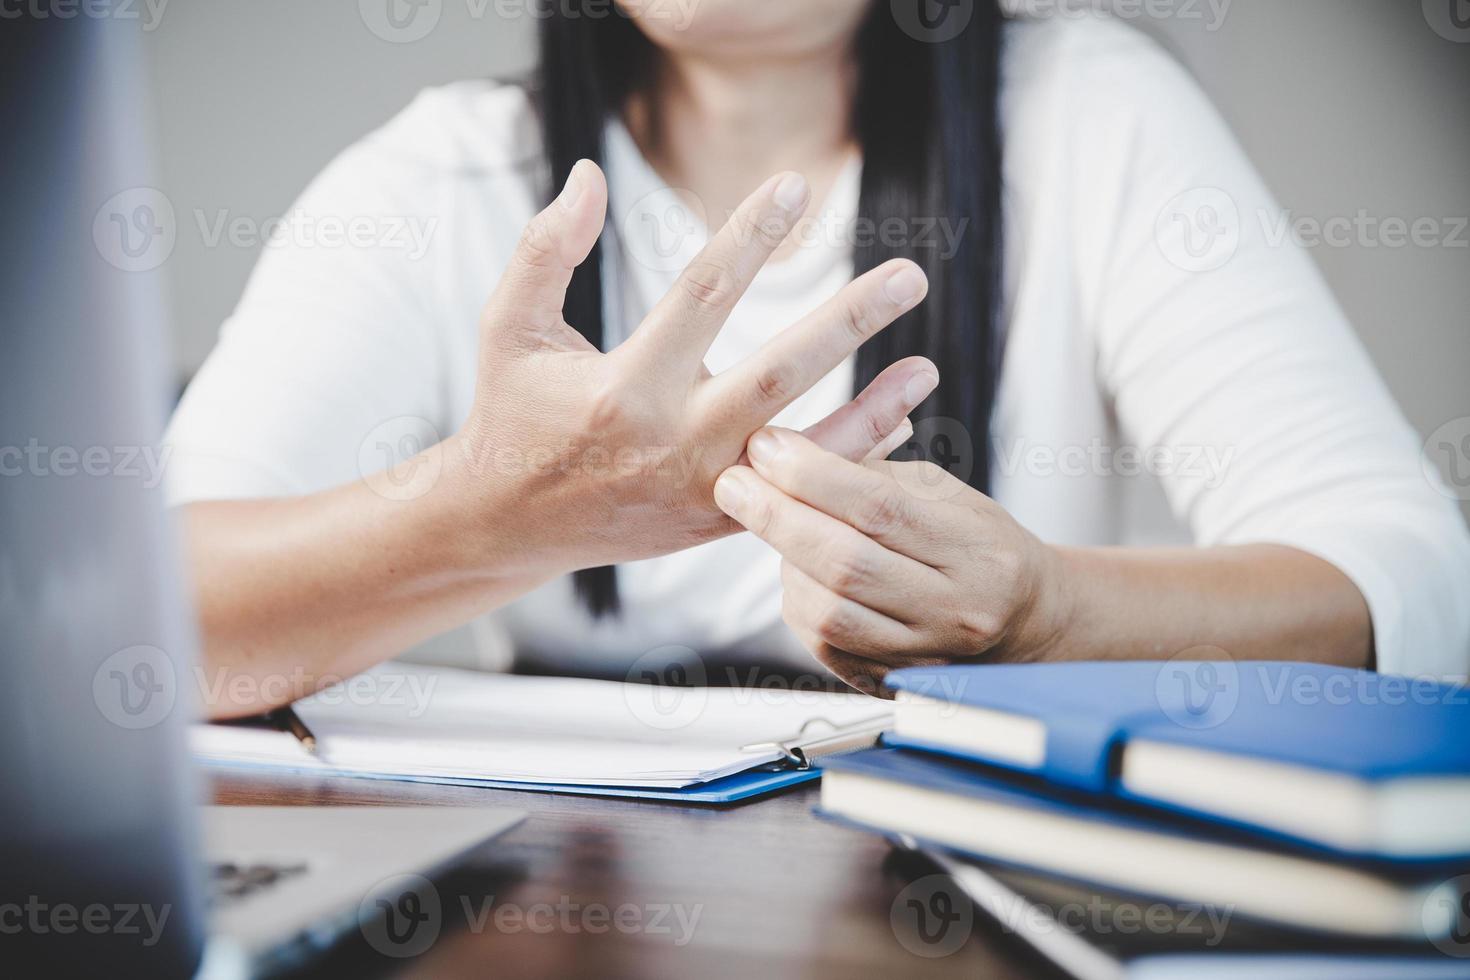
1253	602
296	593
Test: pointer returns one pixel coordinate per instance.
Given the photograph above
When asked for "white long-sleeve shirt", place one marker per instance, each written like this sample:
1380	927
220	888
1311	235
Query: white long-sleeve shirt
1174	372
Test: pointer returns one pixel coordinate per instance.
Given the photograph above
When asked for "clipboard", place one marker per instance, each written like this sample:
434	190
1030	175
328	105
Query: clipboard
561	735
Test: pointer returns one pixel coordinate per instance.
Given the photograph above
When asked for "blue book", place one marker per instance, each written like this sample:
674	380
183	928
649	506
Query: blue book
933	802
1359	763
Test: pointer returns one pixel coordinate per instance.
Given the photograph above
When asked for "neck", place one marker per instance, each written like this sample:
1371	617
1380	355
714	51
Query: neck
717	129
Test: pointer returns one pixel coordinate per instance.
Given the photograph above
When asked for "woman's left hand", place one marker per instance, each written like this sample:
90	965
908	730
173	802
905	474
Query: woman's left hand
889	564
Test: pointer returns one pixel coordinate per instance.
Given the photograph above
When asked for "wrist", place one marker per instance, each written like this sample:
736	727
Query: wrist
1052	609
485	517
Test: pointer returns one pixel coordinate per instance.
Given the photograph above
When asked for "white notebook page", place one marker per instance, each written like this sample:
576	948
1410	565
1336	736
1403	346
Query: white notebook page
421	721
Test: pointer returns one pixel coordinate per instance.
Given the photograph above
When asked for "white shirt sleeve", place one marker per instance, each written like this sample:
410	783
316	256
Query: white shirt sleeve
331	366
1215	331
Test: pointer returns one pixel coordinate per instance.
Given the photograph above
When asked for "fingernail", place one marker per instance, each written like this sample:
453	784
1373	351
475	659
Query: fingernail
730	492
764	447
905	286
573	189
920	386
904	432
790	194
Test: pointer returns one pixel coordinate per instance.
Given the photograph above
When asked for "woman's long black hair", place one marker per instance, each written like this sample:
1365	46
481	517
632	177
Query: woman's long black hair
926	117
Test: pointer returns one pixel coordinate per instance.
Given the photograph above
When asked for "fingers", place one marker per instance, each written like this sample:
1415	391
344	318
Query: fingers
862	496
831	552
751	392
534	285
889	446
863	676
872	424
686	320
834	620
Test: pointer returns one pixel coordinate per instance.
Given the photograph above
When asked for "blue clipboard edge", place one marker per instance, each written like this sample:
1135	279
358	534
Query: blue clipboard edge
729	789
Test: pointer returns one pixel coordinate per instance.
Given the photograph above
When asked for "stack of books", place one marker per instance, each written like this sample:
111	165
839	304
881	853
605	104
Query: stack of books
1328	803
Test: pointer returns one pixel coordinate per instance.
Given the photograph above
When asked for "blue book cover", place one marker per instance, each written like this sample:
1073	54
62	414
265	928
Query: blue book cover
1012	820
1308	720
930	772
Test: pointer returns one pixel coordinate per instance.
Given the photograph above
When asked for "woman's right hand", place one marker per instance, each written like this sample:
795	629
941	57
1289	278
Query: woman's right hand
574	458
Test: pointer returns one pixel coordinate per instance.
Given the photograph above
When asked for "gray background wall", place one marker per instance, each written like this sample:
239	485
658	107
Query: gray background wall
1347	106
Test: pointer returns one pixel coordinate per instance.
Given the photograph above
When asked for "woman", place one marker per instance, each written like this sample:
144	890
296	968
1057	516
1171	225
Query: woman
1160	437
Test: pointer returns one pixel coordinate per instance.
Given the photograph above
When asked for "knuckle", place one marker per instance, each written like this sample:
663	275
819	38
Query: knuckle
537	246
760	516
876	427
767	230
709	284
982	627
849	569
833	624
775	382
881	512
770	232
855	319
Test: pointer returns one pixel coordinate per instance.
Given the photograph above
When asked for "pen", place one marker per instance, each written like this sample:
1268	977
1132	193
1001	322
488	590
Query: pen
288	719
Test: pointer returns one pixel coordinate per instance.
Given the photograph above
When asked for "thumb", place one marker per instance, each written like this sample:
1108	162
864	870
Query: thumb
534	285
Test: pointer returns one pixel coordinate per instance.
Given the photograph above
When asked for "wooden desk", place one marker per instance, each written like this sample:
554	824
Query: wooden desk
777	893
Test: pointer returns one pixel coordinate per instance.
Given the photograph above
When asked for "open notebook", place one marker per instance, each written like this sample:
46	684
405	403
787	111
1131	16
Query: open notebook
439	724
